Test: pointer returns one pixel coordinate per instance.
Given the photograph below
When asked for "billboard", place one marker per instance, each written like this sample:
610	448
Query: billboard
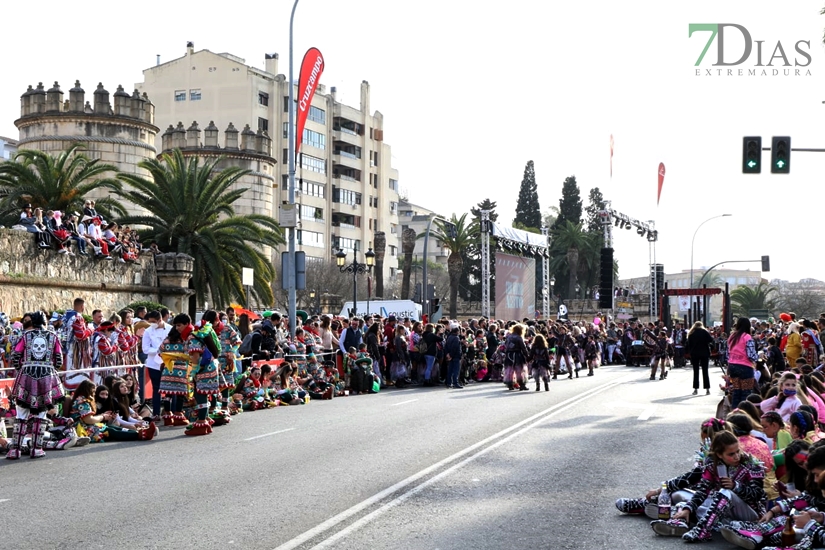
515	287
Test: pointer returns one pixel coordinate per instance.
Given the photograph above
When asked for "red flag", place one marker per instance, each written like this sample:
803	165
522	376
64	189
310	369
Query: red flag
311	68
661	181
611	155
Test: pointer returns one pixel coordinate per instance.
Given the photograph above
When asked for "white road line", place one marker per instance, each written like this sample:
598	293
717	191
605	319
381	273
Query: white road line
404	402
496	439
270	433
647	413
5	499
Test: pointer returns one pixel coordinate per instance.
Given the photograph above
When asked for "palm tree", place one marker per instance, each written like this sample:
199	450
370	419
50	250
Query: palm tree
455	235
570	239
744	299
61	182
380	252
191	212
408	238
711	279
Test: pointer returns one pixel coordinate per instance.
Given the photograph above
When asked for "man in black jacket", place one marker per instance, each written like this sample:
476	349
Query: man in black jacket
452	352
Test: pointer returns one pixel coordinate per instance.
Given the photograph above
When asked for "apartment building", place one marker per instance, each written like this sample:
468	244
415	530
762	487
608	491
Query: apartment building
8	148
347	188
417	217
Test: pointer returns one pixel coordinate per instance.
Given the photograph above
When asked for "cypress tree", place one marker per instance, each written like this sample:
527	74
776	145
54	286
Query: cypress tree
528	212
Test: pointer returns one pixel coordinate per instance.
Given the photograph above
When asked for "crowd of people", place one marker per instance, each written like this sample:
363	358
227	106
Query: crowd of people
759	476
88	234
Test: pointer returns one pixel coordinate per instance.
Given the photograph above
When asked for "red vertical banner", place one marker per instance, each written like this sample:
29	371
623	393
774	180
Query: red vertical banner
311	68
661	181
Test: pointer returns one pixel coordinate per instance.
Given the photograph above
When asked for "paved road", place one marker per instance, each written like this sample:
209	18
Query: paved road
419	468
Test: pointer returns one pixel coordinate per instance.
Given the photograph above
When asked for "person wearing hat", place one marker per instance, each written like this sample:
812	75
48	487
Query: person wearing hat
37	356
104	346
93	234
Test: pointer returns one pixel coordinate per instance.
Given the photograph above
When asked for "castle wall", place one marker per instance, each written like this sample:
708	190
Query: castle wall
31	278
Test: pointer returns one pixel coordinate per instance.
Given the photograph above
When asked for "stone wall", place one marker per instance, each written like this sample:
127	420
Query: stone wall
31	278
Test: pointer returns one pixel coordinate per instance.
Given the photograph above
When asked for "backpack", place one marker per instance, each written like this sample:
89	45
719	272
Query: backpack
422	346
246	346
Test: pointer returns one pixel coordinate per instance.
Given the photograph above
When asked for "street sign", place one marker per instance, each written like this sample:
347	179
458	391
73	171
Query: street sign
248	276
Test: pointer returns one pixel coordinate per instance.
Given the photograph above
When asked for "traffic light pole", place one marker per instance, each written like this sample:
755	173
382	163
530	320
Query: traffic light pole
702	278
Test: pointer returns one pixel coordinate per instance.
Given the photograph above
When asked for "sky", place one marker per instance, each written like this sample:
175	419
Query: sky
470	94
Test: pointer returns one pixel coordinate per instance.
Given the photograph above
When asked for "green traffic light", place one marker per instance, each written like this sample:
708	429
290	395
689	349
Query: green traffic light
751	163
780	163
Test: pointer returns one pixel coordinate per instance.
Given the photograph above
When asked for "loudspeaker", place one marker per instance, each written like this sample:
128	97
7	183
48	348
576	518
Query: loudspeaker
606	279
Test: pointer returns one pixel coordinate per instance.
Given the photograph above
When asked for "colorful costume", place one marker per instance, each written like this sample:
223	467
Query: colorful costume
203	347
174	381
37	357
81	408
104	354
77	347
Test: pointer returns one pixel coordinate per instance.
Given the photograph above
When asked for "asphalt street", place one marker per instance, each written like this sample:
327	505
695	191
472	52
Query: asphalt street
419	468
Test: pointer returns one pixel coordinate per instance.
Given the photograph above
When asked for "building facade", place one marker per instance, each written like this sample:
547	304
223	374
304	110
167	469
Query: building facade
346	187
417	217
8	148
679	305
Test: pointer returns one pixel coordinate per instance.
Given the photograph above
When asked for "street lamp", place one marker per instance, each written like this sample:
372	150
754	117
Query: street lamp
694	239
355	268
312	297
578	290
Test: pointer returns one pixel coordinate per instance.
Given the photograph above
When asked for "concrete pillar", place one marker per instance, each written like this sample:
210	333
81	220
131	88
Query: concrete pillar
179	137
26	101
247	139
38	99
231	137
193	136
210	135
123	103
102	105
149	113
174	273
138	105
166	139
77	97
54	99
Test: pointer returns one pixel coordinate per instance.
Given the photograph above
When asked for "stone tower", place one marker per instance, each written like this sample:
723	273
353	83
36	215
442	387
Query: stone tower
246	149
122	135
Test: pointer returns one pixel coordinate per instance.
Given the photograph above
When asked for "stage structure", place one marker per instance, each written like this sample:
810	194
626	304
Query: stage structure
611	218
514	242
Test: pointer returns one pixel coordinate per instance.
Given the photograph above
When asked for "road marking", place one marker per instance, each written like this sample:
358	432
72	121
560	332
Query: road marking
404	402
647	413
270	433
513	430
5	499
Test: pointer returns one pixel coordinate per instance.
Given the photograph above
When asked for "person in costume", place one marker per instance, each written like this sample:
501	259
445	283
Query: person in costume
211	327
36	357
174	377
104	351
203	347
76	336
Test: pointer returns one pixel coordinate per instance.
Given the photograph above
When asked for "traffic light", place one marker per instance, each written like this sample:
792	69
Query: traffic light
766	263
781	155
752	155
606	279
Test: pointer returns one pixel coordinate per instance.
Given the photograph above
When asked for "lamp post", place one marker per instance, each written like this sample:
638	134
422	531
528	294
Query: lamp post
694	240
312	295
691	248
355	268
553	295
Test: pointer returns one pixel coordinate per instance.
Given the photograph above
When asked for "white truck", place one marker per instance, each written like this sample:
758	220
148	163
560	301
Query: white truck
385	308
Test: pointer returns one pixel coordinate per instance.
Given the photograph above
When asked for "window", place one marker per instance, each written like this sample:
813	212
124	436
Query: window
374	180
286	103
345	243
195	95
393	184
180	95
263	124
311	189
313	164
393	208
345	196
394	228
393	251
393	271
311	137
263	98
310	238
374	158
317	115
311	213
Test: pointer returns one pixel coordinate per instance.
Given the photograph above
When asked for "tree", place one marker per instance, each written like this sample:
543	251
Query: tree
455	241
804	298
380	250
528	212
744	299
61	182
191	211
570	204
711	279
595	204
568	241
408	238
